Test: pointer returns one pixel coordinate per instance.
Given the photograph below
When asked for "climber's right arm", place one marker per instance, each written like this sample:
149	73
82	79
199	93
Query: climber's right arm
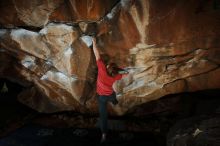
95	49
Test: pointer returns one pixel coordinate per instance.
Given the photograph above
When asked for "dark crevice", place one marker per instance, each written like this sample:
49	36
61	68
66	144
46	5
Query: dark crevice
180	105
74	24
13	113
115	7
194	75
30	28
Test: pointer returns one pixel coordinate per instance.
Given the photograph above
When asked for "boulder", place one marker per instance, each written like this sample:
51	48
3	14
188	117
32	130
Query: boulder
168	47
197	131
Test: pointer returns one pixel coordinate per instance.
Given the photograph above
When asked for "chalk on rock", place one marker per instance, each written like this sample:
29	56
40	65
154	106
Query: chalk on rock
87	40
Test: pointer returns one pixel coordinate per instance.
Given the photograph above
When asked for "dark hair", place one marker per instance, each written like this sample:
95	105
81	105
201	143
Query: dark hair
112	69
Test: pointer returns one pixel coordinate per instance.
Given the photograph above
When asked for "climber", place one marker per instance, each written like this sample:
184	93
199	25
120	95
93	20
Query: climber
107	75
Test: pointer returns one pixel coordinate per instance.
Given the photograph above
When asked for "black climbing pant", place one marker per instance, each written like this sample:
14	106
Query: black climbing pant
103	100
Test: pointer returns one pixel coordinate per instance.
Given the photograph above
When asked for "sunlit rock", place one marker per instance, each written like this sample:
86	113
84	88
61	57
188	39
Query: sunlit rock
167	47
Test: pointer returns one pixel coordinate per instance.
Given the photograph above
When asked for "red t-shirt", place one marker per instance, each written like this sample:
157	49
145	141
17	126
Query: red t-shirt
104	81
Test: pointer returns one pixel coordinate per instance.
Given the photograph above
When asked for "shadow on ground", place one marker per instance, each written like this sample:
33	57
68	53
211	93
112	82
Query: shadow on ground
36	135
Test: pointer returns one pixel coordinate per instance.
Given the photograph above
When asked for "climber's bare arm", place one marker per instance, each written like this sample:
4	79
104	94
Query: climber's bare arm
95	49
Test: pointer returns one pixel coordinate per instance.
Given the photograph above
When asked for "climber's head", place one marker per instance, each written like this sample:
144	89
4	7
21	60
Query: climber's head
112	69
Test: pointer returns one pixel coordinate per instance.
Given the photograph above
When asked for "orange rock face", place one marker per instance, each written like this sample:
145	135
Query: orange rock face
168	47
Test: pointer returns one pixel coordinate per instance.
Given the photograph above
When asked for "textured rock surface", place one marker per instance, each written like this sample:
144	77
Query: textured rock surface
37	13
195	131
169	47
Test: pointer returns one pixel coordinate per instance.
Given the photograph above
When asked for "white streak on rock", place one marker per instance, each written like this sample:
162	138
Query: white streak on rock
196	132
141	24
43	31
87	40
110	15
134	50
113	12
49	62
135	85
28	61
44	77
57	76
74	78
145	46
19	33
124	3
2	32
68	51
61	76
